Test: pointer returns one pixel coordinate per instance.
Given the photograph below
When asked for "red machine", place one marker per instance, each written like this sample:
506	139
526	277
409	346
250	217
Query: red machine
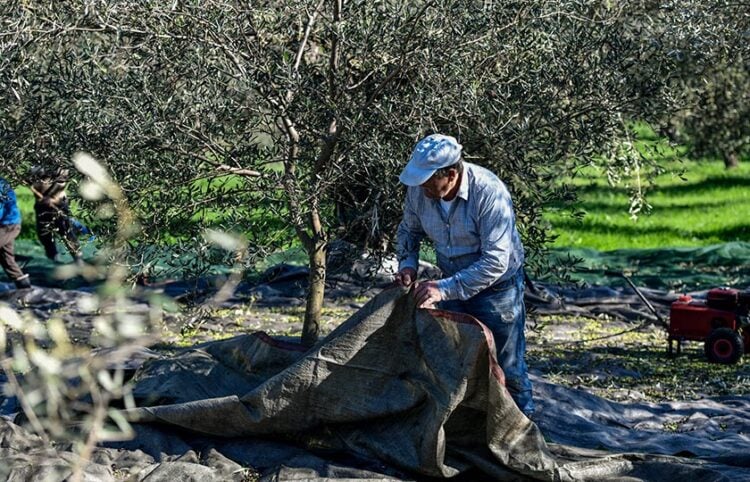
721	321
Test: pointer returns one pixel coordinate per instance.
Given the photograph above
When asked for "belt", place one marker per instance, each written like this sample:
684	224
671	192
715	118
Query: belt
507	282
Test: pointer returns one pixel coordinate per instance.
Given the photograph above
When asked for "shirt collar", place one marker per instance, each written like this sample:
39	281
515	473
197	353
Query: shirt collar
463	191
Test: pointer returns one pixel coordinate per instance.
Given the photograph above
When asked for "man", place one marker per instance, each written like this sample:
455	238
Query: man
10	226
467	213
53	215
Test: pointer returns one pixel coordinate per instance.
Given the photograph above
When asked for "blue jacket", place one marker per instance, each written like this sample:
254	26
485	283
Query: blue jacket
9	213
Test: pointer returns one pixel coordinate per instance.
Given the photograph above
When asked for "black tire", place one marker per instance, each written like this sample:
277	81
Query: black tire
724	346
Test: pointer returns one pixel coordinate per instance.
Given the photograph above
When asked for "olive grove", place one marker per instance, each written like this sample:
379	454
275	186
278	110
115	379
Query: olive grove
288	121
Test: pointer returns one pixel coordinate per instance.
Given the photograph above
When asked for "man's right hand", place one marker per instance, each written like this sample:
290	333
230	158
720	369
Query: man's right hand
405	277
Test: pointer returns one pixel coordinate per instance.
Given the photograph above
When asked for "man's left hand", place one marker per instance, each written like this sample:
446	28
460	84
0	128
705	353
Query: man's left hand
427	294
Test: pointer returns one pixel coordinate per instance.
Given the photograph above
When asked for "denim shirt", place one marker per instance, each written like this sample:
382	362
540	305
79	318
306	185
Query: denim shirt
9	212
477	242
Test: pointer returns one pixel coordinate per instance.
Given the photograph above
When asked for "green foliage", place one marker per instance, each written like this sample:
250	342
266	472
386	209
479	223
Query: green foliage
715	102
316	105
170	95
718	122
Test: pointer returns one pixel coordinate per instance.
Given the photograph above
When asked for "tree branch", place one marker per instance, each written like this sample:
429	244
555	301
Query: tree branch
238	171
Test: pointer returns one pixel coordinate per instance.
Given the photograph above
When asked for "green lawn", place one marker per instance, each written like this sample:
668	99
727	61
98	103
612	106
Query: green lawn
708	205
26	205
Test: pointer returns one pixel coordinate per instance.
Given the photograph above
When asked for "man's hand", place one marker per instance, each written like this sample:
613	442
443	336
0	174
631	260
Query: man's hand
405	277
427	294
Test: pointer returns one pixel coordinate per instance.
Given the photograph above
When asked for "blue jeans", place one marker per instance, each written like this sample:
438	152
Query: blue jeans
501	308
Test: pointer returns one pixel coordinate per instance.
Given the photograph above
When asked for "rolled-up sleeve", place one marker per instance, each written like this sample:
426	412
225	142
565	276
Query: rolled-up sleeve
496	227
409	235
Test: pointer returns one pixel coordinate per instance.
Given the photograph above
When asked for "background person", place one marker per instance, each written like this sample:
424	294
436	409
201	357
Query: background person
53	217
10	227
468	214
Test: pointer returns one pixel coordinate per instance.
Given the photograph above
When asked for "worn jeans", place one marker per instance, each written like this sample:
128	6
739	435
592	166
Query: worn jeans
502	310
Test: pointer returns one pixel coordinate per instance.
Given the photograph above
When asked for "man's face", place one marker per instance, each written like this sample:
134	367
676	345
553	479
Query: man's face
437	187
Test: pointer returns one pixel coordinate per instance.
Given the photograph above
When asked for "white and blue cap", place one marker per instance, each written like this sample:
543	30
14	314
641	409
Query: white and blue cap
430	154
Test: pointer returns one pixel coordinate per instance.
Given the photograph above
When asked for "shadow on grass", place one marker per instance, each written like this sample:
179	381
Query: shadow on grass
730	233
710	184
620	207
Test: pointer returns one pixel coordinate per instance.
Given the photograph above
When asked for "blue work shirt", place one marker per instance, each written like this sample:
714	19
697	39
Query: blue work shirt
9	212
477	242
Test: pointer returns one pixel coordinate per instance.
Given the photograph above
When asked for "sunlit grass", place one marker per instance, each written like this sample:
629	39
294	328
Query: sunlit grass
706	205
25	199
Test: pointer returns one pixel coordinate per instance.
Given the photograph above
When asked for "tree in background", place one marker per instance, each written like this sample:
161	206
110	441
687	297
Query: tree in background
718	122
712	52
291	119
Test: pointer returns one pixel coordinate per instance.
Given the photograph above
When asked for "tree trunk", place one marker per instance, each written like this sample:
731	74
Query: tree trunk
311	326
316	245
731	160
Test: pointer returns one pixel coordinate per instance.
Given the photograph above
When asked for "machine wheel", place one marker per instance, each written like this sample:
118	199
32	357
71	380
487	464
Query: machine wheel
724	345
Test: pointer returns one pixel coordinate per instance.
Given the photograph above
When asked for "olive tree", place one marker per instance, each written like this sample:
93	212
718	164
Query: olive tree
717	122
711	48
284	119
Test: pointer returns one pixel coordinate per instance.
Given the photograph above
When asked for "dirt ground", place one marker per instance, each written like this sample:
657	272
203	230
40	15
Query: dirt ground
616	359
610	357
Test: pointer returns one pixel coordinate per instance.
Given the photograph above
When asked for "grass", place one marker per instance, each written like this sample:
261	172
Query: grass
707	205
695	203
25	199
694	233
